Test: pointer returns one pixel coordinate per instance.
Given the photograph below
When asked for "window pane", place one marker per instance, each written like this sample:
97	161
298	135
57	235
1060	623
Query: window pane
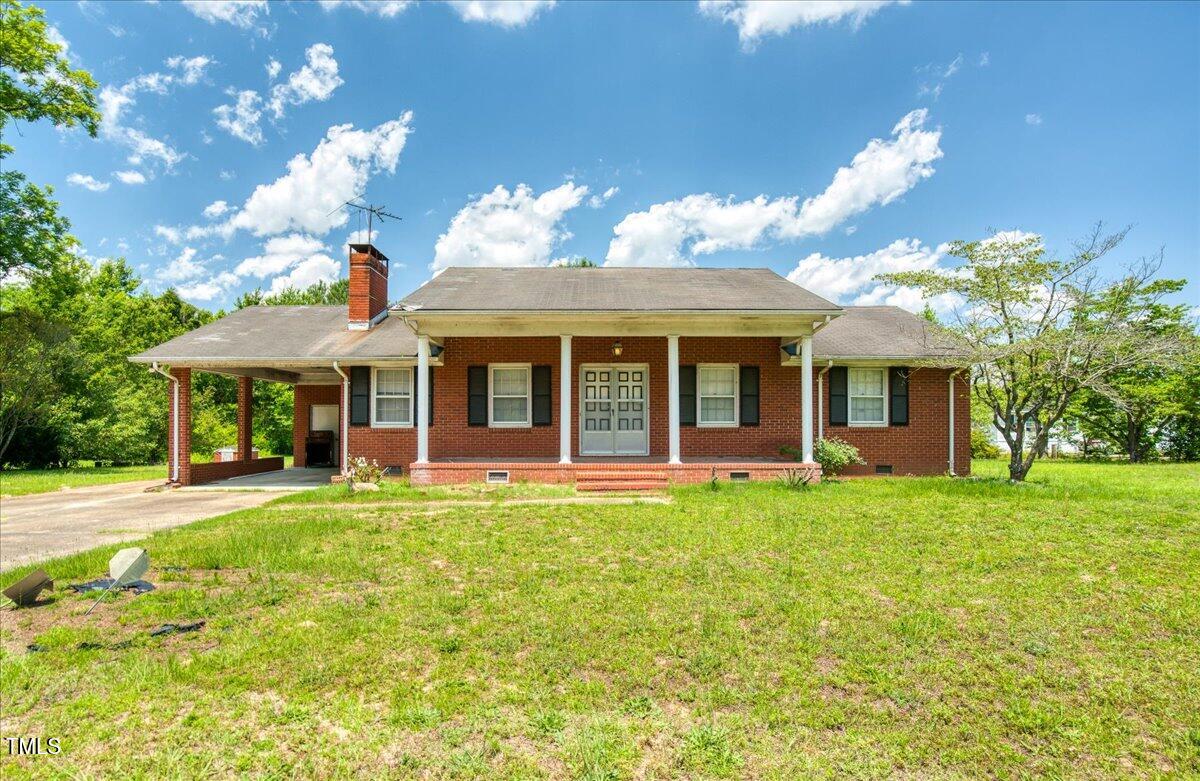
390	382
510	382
509	410
866	410
716	410
866	382
391	410
716	382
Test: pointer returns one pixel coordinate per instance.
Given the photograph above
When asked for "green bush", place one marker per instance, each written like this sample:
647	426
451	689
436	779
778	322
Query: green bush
831	453
982	445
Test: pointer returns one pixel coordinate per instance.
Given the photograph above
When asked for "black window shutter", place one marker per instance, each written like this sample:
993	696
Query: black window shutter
360	395
898	386
748	389
477	390
687	395
837	396
540	376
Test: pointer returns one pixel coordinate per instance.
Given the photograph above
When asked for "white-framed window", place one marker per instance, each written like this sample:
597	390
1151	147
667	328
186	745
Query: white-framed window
392	397
717	395
510	397
868	397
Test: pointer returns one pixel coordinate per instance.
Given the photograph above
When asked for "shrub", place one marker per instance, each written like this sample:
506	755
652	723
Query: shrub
795	479
834	455
364	471
831	453
982	445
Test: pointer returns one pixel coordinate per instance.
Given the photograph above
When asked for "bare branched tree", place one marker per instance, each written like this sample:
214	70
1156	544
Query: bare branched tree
1038	329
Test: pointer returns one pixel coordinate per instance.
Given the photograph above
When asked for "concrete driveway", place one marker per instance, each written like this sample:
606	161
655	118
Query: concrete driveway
42	526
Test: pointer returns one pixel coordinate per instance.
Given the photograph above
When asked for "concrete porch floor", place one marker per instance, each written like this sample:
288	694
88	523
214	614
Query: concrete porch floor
290	479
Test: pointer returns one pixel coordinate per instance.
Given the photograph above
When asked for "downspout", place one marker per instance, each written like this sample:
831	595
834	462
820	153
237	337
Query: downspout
821	401
154	367
951	454
345	417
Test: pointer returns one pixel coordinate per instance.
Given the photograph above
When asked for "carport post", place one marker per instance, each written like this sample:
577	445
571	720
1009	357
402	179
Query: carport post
245	417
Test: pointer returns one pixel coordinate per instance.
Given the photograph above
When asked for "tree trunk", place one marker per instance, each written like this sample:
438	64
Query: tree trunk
1016	466
1132	440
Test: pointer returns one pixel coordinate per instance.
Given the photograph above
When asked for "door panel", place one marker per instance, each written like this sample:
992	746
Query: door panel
613	413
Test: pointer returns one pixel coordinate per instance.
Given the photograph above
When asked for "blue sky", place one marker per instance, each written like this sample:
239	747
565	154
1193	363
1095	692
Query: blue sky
828	145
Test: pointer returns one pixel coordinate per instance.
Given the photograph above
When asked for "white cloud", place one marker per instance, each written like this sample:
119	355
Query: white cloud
1033	119
316	80
239	13
280	254
382	8
307	197
273	67
937	76
173	235
507	229
852	280
241	120
673	233
192	68
215	209
318	268
208	289
758	18
115	102
985	59
130	177
182	268
88	182
505	13
597	201
227	175
55	37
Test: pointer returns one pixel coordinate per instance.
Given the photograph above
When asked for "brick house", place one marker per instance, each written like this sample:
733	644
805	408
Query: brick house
672	374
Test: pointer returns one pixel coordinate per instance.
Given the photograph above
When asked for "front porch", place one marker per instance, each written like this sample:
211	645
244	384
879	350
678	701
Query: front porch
604	473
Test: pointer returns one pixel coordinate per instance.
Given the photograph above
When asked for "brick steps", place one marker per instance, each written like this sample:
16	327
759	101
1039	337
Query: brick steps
621	481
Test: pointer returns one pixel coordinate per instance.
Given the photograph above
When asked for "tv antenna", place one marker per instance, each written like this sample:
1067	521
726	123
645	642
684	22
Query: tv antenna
372	211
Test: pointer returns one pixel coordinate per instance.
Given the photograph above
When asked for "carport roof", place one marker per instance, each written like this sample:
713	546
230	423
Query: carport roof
285	333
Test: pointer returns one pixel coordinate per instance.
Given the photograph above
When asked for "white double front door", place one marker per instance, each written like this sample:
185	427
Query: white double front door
614	414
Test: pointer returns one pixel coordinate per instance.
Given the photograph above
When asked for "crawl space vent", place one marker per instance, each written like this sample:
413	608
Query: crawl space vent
739	477
883	469
497	476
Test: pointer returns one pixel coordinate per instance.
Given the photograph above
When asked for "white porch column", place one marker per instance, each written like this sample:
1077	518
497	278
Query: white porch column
673	397
565	371
422	399
806	400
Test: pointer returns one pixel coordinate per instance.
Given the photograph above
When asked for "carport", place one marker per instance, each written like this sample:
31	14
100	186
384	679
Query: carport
307	347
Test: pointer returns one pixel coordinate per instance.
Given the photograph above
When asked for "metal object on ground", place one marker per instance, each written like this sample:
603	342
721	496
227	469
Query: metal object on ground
25	591
170	629
128	565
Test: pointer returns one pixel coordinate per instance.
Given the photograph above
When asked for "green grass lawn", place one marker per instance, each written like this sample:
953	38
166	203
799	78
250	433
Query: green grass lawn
915	628
19	482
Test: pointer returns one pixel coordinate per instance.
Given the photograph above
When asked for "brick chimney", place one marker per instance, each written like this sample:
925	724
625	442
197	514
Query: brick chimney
368	286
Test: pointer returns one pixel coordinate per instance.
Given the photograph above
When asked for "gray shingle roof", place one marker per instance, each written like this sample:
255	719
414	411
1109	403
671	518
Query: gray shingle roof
613	289
882	332
286	332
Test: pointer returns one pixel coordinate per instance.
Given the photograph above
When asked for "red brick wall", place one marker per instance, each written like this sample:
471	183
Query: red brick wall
368	287
245	416
305	396
919	448
184	377
220	470
922	447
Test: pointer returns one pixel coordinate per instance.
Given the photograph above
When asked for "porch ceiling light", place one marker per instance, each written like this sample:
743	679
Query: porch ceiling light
617	349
